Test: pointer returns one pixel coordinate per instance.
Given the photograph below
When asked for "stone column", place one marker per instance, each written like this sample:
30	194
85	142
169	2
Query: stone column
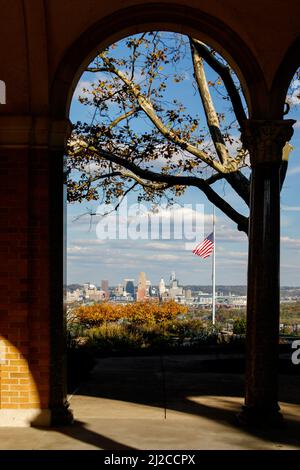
32	322
24	273
265	141
59	406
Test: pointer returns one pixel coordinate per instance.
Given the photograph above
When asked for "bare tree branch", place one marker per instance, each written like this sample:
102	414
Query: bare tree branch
122	117
124	153
284	164
214	178
237	180
91	213
224	72
148	108
96	69
241	184
172	180
209	108
145	183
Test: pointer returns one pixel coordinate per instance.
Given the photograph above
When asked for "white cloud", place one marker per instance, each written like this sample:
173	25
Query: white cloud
226	233
164	246
232	254
293	98
290	242
294	171
290	208
295	84
82	84
84	247
163	257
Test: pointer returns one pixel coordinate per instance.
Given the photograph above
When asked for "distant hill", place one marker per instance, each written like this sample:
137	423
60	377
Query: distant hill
236	290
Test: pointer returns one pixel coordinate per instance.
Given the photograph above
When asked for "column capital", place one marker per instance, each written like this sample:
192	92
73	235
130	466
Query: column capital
265	139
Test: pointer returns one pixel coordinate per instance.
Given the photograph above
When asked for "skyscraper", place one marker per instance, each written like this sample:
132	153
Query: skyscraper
148	287
174	289
161	287
104	287
119	290
142	287
129	286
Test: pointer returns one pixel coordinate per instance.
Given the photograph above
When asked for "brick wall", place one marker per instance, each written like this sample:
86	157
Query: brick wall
24	280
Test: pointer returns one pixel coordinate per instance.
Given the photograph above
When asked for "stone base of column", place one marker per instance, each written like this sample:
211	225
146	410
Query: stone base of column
260	417
36	417
25	418
61	415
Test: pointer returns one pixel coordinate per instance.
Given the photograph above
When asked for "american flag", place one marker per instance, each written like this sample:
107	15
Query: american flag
205	248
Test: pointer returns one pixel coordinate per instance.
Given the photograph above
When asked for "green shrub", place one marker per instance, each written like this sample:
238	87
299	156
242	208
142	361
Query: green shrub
239	326
112	337
130	335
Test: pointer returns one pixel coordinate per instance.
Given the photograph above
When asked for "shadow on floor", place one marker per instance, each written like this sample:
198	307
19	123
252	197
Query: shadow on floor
177	385
78	430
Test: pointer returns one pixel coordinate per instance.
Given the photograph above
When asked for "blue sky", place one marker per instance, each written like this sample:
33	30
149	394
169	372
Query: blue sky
91	259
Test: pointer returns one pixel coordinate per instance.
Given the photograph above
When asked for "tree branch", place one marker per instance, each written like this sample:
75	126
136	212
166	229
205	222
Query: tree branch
241	184
210	112
146	184
236	179
122	117
214	178
284	164
224	72
148	108
172	180
103	176
97	69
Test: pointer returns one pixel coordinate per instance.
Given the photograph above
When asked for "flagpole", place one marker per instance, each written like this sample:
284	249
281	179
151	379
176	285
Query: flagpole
214	272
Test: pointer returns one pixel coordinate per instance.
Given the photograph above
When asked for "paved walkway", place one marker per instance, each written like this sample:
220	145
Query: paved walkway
160	403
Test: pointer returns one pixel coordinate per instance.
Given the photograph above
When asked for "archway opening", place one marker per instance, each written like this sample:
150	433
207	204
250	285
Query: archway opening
290	280
143	136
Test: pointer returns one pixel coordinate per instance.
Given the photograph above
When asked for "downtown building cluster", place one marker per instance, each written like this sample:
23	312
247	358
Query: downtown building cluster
143	290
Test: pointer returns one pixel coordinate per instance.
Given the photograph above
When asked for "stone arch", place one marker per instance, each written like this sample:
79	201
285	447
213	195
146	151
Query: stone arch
177	18
283	78
125	22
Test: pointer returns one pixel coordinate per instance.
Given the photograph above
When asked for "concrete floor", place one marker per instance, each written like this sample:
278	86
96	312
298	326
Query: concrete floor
160	403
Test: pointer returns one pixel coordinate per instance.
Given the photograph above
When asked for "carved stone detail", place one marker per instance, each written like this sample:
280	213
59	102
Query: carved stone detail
265	139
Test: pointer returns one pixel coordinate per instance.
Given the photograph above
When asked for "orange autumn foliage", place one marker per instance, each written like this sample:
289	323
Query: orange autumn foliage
93	315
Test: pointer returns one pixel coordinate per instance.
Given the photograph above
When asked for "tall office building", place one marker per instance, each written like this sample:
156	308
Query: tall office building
118	291
161	287
188	294
174	290
104	288
129	286
142	287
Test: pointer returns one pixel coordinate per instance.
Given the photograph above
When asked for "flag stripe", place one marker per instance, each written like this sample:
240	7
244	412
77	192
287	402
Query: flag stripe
206	247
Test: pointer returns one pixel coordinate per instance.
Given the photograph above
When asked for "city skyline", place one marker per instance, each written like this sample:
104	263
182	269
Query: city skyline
144	291
90	258
140	279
